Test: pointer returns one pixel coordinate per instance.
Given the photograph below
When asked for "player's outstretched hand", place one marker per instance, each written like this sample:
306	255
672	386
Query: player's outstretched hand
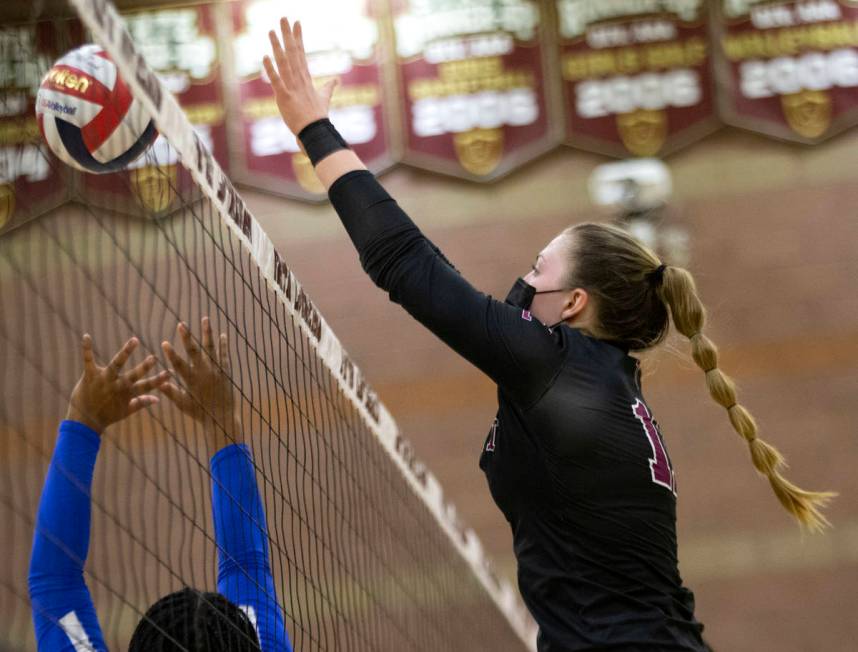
105	395
297	98
207	395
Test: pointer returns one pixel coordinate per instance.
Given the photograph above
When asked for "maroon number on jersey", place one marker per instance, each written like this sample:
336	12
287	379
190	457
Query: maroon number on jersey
659	464
490	444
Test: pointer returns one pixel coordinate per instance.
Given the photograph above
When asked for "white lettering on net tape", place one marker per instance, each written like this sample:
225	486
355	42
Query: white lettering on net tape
102	19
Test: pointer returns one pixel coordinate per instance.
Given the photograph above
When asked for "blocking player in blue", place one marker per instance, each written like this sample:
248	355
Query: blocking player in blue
243	614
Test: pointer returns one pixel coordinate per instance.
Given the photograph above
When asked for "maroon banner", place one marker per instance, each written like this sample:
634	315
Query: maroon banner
637	77
789	69
472	85
342	41
181	45
32	179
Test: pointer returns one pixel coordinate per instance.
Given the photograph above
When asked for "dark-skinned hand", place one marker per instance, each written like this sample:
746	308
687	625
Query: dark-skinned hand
105	395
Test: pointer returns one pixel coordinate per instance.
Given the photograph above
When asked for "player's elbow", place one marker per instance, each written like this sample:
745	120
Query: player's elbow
38	575
52	571
393	256
42	583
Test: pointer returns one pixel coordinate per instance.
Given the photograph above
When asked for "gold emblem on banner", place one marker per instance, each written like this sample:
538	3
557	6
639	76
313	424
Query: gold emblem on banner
305	174
7	203
808	113
155	186
643	132
479	150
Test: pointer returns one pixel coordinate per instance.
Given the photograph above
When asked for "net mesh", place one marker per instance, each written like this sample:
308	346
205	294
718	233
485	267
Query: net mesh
358	558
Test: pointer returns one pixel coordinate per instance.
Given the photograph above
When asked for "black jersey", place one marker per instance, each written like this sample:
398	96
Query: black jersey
573	458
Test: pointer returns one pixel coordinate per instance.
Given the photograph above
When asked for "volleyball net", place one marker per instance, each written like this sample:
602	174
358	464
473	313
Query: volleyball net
366	552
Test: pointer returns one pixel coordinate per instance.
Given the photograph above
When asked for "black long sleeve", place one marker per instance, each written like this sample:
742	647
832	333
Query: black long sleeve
512	348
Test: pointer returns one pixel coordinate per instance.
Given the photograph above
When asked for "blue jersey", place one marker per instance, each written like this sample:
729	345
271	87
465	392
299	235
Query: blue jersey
63	613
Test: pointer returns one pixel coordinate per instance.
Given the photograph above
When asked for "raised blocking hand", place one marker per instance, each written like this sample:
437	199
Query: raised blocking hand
298	100
207	395
105	395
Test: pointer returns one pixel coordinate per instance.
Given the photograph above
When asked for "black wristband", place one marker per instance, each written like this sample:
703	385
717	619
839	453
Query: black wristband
320	138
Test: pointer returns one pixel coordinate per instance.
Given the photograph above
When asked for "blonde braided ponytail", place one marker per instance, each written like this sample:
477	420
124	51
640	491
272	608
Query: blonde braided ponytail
679	293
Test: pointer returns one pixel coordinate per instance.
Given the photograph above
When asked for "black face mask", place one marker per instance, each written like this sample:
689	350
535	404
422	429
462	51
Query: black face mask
521	295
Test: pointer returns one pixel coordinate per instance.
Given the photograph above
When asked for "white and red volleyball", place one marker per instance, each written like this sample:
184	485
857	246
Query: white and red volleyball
88	116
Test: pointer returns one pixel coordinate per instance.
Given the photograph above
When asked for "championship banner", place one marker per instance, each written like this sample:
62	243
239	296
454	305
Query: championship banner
32	180
637	75
342	41
789	69
181	44
472	85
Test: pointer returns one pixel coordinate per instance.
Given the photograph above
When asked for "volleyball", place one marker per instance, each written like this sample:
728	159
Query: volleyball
88	116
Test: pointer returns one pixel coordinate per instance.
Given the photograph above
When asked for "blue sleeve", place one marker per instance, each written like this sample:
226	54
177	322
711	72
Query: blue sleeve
63	614
244	570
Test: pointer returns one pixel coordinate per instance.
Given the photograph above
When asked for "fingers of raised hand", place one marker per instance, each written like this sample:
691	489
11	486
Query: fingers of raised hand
89	367
289	44
179	364
300	53
207	339
188	342
284	68
139	402
223	353
121	357
141	369
176	394
273	76
148	384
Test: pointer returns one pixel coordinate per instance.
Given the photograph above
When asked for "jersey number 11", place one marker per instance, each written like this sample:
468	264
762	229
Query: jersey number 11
659	463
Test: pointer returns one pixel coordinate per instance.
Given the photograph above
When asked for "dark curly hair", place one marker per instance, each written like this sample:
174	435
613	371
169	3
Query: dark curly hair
192	621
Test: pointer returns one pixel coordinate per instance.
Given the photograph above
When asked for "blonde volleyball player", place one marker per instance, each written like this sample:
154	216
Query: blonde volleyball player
244	614
574	458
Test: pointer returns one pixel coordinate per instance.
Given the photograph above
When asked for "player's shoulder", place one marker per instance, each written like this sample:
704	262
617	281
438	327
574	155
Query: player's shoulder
582	349
521	328
579	344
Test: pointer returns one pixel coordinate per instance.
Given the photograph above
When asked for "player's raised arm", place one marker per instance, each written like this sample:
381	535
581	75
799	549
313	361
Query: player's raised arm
63	613
241	532
502	340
